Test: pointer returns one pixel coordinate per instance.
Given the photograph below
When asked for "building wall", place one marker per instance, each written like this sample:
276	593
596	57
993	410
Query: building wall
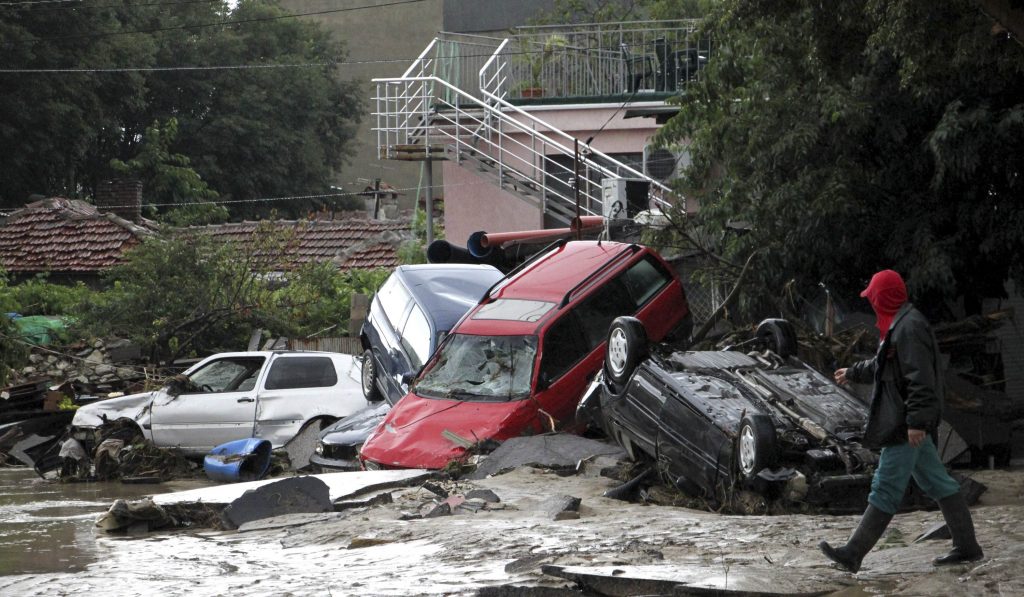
383	42
474	202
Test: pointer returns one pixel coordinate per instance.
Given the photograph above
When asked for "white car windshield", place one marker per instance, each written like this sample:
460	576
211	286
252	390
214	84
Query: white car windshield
481	368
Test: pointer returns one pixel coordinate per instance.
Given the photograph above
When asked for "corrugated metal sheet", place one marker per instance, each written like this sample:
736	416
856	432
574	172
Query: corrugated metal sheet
342	344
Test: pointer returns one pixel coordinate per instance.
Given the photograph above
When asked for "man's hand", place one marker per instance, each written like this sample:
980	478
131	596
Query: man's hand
915	436
840	376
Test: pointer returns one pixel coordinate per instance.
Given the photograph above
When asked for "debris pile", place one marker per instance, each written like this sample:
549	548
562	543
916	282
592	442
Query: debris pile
120	453
100	368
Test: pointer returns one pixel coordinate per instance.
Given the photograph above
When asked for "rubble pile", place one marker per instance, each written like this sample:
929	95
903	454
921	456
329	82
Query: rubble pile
103	367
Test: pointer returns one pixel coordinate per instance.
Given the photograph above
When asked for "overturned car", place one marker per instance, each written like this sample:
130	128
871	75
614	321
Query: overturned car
715	422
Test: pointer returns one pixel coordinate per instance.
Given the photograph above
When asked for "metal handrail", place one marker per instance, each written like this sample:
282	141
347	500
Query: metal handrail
422	107
587	149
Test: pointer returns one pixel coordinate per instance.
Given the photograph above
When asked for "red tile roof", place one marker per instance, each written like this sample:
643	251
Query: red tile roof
349	243
66	235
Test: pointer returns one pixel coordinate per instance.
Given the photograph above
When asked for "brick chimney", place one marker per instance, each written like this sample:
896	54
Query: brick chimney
121	197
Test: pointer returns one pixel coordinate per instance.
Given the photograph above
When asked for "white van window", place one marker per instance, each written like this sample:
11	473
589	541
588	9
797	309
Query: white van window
393	299
416	337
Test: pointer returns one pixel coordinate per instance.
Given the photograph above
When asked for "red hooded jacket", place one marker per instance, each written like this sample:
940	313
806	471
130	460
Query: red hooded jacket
886	292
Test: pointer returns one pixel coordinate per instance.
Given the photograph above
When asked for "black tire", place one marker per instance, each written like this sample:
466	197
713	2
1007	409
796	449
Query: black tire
756	446
368	377
627	345
778	336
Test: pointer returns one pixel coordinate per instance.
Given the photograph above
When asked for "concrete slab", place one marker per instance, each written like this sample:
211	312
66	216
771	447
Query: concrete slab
689	580
552	450
341	485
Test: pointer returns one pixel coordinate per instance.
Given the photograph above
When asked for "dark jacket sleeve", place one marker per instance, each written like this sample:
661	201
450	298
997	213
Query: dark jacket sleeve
915	354
862	371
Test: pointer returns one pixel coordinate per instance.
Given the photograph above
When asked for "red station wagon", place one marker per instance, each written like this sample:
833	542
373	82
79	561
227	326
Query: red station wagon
519	362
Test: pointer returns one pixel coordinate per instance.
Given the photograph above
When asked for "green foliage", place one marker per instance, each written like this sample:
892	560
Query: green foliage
186	294
247	132
37	296
848	137
67	403
318	298
169	180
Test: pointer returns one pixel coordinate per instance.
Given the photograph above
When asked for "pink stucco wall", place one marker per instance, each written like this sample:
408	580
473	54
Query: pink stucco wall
473	202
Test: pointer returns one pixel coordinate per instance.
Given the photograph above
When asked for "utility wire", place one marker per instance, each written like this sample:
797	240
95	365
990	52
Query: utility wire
81	5
232	66
223	23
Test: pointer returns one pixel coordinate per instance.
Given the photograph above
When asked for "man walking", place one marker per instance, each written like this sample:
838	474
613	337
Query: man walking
906	405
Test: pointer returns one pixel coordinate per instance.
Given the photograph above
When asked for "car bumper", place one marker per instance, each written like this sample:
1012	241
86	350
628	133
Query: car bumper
338	464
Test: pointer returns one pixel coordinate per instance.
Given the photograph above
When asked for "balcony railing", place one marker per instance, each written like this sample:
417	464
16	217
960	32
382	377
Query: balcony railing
614	61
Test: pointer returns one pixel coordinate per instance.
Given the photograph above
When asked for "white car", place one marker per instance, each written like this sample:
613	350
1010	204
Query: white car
235	395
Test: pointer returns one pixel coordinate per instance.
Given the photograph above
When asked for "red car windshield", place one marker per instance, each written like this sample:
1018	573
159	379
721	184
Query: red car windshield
481	368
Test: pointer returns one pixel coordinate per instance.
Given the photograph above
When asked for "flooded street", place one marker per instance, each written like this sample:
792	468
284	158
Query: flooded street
50	546
49	527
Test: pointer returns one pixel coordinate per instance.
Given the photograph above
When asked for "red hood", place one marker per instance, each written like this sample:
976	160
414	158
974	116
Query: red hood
413	434
886	292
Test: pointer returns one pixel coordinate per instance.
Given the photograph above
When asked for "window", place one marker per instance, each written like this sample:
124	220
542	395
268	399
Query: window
564	346
481	368
416	337
225	375
393	300
514	310
301	372
597	311
644	279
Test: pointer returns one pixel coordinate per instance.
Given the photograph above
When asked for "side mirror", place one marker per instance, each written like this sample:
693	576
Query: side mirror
177	385
408	377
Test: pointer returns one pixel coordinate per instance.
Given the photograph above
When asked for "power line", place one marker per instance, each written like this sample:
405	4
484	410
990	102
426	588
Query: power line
222	23
295	197
231	66
81	5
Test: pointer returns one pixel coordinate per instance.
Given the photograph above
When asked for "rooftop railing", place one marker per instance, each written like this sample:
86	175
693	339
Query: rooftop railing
641	59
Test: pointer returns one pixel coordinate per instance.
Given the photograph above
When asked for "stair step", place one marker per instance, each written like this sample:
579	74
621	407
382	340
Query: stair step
417	152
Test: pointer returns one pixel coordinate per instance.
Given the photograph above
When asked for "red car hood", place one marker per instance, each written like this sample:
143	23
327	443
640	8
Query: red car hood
425	432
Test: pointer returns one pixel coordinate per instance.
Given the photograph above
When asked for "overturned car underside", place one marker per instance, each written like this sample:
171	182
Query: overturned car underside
716	422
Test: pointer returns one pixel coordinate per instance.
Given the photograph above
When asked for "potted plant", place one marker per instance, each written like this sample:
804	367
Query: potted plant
536	60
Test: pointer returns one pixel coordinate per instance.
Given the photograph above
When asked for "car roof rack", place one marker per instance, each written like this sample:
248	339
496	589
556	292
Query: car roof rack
633	248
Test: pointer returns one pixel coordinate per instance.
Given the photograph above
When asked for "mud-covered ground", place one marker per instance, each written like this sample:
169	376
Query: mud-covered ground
371	551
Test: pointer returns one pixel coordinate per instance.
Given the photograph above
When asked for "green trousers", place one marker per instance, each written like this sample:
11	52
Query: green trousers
895	467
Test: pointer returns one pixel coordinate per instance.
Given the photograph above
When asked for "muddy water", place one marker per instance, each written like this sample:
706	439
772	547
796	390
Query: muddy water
48	527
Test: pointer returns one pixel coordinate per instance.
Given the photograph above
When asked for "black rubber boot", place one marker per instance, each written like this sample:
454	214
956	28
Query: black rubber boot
961	527
864	537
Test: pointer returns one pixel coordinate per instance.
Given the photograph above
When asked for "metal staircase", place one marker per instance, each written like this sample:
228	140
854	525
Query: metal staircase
424	115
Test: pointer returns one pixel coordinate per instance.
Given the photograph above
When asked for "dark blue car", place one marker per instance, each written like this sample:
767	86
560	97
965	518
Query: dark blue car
409	316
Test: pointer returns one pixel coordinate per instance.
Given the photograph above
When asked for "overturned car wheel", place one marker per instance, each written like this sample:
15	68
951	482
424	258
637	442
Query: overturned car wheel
778	336
627	346
369	377
756	446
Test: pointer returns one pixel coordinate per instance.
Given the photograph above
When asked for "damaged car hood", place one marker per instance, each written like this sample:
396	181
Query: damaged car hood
133	406
430	433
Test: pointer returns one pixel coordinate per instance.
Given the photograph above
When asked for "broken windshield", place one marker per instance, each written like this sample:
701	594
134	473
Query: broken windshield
484	368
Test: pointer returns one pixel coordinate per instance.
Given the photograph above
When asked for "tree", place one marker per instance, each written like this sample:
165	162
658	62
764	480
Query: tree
842	138
277	125
187	294
170	181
